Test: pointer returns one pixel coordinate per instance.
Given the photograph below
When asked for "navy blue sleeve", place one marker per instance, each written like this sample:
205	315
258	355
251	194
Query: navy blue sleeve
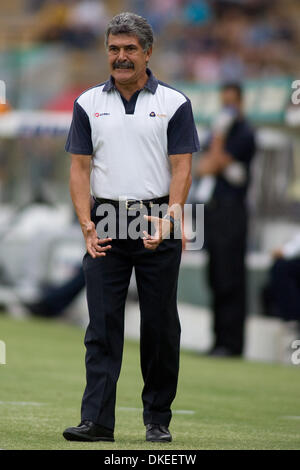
79	139
182	132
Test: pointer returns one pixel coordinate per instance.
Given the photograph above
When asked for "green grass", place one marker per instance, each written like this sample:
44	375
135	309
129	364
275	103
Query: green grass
237	404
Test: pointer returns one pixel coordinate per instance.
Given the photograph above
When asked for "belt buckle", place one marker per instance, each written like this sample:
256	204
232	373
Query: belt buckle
128	208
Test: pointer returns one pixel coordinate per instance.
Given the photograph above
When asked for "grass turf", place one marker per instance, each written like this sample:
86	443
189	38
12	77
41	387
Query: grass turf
236	404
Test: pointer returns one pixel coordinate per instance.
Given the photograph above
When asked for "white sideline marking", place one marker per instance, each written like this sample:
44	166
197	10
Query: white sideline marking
291	417
21	403
178	412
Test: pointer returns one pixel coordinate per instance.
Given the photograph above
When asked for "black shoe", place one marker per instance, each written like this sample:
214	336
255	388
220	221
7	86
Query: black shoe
88	431
157	433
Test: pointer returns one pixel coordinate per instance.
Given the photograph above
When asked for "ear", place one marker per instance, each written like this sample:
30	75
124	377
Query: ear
148	54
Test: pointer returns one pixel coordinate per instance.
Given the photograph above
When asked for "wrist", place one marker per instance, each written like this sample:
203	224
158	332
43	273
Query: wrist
85	224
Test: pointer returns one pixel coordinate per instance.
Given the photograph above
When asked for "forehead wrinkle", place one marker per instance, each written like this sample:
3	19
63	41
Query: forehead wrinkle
126	45
120	41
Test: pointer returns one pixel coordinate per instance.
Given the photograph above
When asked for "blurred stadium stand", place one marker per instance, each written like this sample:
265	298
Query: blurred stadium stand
51	50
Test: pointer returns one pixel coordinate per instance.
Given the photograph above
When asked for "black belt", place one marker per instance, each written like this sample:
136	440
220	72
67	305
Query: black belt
133	202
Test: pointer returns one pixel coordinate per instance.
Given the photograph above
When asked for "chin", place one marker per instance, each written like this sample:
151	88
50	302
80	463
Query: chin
123	74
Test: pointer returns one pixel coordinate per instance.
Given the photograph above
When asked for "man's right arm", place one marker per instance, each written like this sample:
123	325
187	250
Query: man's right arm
80	187
80	194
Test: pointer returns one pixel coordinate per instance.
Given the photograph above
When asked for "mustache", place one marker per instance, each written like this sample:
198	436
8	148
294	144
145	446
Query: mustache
123	65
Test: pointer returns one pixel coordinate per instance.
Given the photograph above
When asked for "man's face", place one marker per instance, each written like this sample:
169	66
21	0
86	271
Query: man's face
230	98
127	60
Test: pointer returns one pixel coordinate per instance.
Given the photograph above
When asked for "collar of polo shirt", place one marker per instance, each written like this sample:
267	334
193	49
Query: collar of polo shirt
151	84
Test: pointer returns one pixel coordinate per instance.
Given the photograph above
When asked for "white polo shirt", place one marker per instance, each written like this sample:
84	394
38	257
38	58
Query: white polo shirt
130	141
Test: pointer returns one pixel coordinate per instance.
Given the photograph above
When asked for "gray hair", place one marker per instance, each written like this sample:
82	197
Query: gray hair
130	23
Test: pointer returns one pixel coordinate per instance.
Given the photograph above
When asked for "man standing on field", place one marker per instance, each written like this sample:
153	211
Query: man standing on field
131	140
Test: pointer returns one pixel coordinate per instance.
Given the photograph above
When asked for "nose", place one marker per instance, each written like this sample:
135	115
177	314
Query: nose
122	55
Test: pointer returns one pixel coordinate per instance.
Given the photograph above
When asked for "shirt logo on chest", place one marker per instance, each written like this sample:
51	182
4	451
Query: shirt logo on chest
101	114
153	114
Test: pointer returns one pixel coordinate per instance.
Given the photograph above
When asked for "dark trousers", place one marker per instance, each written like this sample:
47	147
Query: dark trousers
225	226
107	281
285	288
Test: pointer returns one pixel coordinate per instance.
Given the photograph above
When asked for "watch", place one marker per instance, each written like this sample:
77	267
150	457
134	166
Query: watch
176	223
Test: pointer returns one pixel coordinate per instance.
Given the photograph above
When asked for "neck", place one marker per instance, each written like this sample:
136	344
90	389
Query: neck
127	89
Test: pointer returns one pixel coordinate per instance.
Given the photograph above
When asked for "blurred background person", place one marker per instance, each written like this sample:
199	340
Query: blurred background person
54	300
281	296
50	299
224	172
85	23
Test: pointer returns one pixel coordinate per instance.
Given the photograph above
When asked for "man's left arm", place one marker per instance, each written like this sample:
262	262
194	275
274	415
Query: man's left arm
182	142
181	181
